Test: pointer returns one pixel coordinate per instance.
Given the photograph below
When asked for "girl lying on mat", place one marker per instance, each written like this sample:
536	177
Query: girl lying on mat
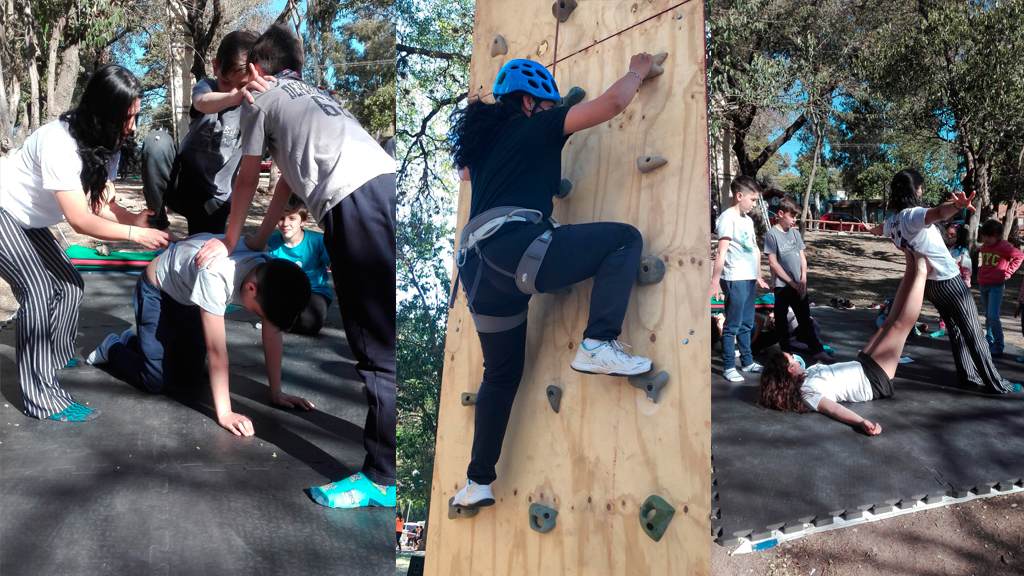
787	386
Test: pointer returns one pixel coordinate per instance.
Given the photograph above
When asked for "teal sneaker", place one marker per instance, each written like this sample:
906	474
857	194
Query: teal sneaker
355	491
76	413
938	333
829	350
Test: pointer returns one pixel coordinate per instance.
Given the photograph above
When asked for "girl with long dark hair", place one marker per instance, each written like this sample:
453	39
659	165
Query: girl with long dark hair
511	248
787	386
911	227
64	171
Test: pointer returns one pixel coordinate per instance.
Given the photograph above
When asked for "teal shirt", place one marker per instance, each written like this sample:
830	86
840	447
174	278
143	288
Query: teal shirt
310	255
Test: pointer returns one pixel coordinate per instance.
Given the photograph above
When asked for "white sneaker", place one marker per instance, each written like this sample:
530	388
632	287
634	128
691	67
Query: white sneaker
597	357
126	336
99	355
474	495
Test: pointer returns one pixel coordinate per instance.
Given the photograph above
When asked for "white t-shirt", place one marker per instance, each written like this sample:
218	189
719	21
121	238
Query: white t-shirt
840	382
741	256
907	229
213	288
47	162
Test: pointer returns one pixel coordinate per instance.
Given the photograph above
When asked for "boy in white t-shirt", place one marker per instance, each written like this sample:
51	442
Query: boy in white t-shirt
738	273
179	315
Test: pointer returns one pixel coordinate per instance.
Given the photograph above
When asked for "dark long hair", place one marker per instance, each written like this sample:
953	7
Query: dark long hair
780	390
97	124
903	190
473	127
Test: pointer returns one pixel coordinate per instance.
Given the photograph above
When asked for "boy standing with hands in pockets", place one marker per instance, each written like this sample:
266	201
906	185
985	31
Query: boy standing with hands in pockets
785	250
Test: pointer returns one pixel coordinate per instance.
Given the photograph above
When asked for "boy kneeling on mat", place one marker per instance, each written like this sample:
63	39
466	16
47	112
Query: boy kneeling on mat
176	301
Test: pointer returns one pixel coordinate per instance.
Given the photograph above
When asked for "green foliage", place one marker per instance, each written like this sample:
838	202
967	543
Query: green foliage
435	39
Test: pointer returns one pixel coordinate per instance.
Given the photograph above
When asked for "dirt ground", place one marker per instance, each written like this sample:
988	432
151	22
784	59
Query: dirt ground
981	537
129	194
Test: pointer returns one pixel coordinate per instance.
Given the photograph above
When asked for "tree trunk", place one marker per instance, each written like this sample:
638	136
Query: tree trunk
6	122
56	34
33	66
67	77
976	179
818	133
1009	219
14	98
179	77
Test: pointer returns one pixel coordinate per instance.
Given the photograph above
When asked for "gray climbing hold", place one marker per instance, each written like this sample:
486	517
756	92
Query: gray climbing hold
554	394
542	518
650	163
651	270
652	385
564	187
468	398
655	514
499	46
455	512
656	69
103	250
562	9
574	97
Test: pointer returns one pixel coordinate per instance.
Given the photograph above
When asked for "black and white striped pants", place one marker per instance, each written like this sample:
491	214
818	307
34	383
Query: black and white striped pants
49	290
971	355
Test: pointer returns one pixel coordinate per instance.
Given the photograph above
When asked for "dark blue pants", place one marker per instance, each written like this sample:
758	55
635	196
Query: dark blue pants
739	321
359	234
608	252
168	346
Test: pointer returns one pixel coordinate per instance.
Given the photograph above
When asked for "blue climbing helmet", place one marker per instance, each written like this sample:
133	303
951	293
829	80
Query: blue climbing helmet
521	75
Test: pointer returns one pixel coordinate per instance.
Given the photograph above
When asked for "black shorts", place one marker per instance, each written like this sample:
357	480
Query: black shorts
881	384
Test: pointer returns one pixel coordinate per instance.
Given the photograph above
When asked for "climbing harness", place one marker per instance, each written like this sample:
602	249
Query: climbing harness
483	227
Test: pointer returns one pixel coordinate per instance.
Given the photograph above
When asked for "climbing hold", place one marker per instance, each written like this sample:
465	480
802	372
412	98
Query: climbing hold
649	163
103	250
651	270
542	518
562	8
655	515
564	187
468	398
499	46
650	384
460	511
574	97
656	69
554	397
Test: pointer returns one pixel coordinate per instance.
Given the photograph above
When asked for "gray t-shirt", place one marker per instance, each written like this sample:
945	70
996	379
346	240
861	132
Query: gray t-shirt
211	150
213	288
322	151
786	246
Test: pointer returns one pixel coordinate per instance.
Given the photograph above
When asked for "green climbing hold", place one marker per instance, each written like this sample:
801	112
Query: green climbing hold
574	97
468	398
564	187
542	518
655	515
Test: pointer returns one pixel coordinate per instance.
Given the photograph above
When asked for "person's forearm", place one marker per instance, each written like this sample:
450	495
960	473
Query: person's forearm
780	272
241	200
845	415
214	102
273	347
275	210
219	381
100	228
940	212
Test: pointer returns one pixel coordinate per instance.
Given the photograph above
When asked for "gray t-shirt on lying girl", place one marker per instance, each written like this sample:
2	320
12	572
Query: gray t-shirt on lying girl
211	151
213	288
322	151
840	382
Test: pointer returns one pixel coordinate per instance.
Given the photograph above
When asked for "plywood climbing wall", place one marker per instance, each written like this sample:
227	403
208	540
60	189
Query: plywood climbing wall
609	447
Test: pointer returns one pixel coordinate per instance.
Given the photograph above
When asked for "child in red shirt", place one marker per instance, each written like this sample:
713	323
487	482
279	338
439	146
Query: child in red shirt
997	261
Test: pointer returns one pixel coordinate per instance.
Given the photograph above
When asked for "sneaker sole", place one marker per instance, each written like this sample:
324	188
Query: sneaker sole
598	370
478	504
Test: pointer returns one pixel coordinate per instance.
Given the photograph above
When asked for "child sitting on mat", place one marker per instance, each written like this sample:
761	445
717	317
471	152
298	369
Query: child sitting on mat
176	302
306	249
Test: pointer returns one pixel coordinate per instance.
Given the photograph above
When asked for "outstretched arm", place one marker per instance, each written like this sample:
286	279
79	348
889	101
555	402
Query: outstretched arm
614	100
948	208
847	416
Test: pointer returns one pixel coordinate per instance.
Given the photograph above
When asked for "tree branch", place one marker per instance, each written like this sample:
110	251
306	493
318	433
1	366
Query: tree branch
431	53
